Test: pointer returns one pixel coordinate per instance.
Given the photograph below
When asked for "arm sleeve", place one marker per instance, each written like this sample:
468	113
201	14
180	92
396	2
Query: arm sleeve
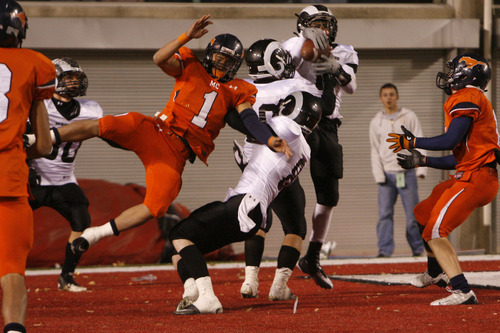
446	162
449	140
257	129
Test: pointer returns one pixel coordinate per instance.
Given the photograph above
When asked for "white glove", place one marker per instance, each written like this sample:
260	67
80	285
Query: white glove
318	36
328	65
30	139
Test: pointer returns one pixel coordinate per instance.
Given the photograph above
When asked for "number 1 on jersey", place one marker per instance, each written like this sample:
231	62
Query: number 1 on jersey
200	120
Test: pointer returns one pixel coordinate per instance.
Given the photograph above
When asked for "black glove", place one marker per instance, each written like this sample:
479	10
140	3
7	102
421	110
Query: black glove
402	141
415	159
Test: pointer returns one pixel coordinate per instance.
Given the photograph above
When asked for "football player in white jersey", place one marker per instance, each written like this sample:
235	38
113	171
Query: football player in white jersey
271	70
57	186
332	76
245	209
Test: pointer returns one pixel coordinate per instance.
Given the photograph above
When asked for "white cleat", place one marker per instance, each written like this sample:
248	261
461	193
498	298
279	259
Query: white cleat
279	290
424	280
250	286
190	294
203	305
457	297
67	283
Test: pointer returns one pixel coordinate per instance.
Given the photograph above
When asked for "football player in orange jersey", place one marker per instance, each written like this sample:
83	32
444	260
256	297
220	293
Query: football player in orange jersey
27	78
472	135
203	94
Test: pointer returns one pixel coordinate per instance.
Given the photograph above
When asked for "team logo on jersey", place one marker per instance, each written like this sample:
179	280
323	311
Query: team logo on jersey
470	62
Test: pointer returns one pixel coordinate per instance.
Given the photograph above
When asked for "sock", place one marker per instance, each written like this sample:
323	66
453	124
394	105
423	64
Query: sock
433	267
194	262
70	261
254	248
182	271
14	328
459	282
288	257
322	216
314	249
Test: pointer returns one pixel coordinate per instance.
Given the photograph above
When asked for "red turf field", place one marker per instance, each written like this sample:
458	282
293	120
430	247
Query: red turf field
116	303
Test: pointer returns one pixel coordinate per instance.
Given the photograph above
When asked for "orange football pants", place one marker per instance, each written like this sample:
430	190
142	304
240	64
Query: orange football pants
161	152
453	200
16	234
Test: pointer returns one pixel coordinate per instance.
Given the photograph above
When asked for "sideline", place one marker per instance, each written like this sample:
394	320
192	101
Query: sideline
240	264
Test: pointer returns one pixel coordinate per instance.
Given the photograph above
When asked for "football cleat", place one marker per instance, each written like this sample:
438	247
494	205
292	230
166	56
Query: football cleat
203	305
279	290
424	280
281	293
67	283
313	268
457	297
80	245
250	286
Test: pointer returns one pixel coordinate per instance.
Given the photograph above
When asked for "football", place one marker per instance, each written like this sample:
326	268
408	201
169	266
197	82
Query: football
310	53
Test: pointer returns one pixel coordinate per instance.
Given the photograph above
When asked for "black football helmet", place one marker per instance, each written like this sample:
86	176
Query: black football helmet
223	57
13	24
304	108
71	80
268	60
317	13
468	69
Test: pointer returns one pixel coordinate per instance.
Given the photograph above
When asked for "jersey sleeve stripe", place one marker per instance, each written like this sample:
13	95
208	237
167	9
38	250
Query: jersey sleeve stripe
48	85
465	106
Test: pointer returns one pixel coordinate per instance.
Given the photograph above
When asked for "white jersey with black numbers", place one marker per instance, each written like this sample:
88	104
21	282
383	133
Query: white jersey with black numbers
268	172
270	94
58	168
345	55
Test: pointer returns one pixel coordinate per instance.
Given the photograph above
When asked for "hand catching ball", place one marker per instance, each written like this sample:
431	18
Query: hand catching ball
310	53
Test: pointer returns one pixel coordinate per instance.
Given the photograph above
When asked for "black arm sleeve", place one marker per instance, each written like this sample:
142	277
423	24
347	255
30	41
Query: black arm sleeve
449	140
445	163
259	130
234	120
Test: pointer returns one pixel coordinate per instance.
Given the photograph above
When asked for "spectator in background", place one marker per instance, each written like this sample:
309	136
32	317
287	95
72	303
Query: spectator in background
390	177
27	78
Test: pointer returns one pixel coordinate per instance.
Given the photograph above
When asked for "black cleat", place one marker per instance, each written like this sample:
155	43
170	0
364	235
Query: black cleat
313	268
67	283
80	245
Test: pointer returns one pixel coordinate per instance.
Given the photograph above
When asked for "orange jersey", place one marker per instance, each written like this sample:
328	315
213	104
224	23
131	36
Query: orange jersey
199	103
25	76
476	149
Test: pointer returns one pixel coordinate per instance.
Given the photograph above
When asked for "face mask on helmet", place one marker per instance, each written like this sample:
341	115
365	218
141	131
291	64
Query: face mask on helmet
304	108
464	70
71	81
268	61
13	24
318	16
223	57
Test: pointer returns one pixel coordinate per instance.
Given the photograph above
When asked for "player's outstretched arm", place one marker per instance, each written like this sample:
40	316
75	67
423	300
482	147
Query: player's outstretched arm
39	120
164	59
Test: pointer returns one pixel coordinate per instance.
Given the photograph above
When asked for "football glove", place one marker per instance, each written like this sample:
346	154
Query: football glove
327	65
415	159
29	140
318	36
401	141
